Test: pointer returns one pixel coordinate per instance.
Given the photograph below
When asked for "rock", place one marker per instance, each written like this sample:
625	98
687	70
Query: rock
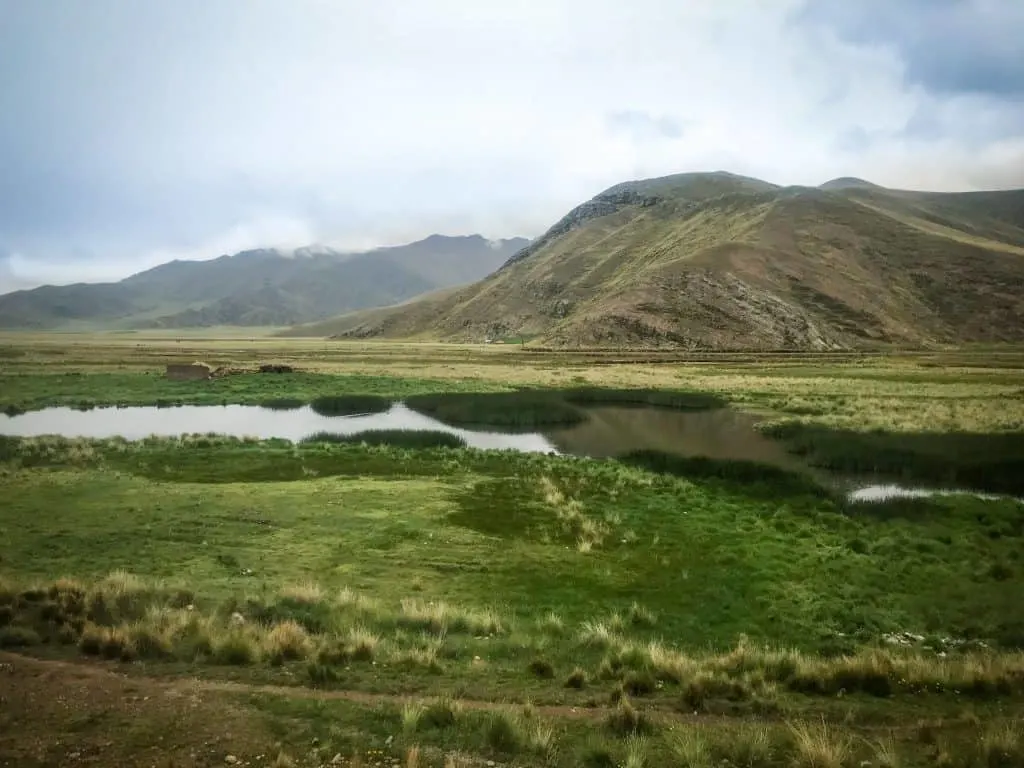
337	759
388	741
231	760
237	619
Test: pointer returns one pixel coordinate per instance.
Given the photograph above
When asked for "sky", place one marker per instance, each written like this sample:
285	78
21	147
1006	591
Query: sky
133	132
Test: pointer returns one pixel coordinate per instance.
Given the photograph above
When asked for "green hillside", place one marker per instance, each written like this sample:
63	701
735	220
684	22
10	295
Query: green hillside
722	261
260	287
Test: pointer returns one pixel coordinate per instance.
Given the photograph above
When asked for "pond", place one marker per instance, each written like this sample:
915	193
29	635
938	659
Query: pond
608	431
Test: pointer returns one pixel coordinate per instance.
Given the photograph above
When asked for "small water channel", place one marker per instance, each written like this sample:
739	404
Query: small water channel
608	431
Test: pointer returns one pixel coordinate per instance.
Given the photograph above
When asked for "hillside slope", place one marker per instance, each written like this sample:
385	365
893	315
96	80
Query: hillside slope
260	287
723	262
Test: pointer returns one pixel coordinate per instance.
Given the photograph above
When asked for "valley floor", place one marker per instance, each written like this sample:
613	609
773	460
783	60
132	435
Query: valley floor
213	601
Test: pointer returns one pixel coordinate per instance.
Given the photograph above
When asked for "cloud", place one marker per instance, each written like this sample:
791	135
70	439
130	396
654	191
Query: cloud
136	132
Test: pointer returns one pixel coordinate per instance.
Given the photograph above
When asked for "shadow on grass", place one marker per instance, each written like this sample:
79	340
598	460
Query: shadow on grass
987	462
404	438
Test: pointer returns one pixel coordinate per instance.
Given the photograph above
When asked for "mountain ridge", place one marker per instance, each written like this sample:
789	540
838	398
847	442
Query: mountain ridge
263	286
706	261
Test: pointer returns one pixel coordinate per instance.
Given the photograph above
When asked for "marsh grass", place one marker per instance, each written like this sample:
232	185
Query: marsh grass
682	401
349	405
403	438
282	404
508	410
989	462
752	476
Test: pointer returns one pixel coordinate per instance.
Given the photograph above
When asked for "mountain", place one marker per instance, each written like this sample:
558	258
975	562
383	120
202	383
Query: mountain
718	261
260	287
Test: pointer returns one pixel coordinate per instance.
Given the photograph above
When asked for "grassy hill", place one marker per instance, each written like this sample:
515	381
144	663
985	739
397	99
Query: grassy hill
259	287
723	261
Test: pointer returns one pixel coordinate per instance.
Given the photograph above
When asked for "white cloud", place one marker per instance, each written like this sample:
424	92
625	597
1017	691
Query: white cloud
185	130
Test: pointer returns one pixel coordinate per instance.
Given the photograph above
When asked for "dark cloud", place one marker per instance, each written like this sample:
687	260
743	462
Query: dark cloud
946	46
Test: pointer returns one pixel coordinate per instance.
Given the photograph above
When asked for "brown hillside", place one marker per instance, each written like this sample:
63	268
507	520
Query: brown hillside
721	261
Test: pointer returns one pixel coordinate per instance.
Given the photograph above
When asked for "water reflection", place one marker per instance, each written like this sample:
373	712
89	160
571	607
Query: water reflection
608	431
135	423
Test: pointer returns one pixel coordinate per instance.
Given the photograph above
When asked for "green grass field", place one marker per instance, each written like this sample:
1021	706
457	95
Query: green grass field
449	606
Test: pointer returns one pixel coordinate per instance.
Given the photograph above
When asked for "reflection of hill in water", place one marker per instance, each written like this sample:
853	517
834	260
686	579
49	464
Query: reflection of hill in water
719	434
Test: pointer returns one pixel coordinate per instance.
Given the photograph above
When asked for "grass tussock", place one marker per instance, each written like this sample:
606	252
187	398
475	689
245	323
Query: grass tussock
440	617
818	745
306	592
1002	746
287	641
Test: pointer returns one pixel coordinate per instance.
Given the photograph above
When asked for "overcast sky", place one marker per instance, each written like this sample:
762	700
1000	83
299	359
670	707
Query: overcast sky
136	131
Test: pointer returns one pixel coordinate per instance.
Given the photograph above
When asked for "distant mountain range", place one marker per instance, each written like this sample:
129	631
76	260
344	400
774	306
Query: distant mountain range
260	287
719	261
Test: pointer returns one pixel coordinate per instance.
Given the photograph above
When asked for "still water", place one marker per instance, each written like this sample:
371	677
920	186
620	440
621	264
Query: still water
608	431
